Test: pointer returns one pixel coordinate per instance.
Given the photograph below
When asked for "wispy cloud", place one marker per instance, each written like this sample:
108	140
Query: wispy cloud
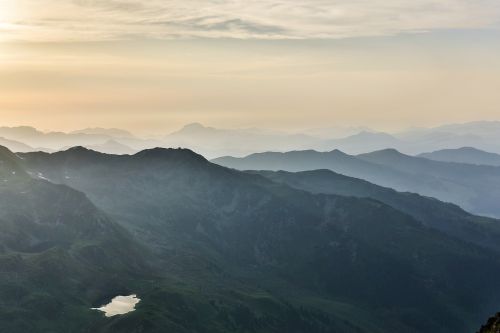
266	19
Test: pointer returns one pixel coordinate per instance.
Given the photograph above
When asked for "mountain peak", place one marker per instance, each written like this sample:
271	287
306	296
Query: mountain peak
78	152
193	126
369	134
19	132
470	149
180	154
388	152
113	132
468	155
193	129
110	147
78	149
338	152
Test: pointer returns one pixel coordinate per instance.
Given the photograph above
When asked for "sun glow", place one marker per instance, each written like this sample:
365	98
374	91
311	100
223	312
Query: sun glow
7	8
7	17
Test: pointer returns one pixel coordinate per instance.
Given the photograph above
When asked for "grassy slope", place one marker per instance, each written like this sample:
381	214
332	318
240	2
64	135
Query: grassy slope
352	254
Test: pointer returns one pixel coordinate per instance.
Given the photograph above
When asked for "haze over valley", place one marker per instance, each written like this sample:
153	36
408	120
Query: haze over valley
214	142
171	210
268	166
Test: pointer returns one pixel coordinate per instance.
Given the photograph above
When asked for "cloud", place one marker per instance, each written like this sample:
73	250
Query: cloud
264	19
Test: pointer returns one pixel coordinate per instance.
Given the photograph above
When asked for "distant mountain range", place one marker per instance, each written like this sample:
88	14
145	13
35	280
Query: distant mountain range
112	147
215	142
473	187
111	132
212	249
32	139
467	155
16	145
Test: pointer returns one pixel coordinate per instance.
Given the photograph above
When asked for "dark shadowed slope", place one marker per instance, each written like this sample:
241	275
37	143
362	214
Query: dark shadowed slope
58	254
467	155
351	258
433	213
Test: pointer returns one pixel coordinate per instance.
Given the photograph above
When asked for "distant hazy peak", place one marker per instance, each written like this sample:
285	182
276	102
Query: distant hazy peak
292	153
370	134
19	131
193	128
112	146
112	142
113	132
460	150
473	124
389	152
469	149
469	155
338	152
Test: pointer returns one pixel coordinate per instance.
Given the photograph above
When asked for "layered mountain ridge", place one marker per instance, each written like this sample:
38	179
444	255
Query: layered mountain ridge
243	252
473	187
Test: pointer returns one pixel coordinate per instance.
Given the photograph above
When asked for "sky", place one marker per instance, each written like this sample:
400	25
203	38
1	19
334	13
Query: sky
153	66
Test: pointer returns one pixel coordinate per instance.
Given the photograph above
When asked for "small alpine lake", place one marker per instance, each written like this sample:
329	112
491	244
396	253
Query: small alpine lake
119	305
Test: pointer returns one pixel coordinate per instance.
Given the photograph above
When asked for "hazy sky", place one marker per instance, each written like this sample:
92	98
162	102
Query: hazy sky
156	65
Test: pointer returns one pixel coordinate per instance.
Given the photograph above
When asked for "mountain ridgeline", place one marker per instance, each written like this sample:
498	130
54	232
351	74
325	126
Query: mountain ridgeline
446	217
212	249
468	155
214	142
476	188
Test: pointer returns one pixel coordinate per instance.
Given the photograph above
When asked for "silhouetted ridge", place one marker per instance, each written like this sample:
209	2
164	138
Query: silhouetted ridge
338	152
78	149
469	155
170	154
386	152
467	149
